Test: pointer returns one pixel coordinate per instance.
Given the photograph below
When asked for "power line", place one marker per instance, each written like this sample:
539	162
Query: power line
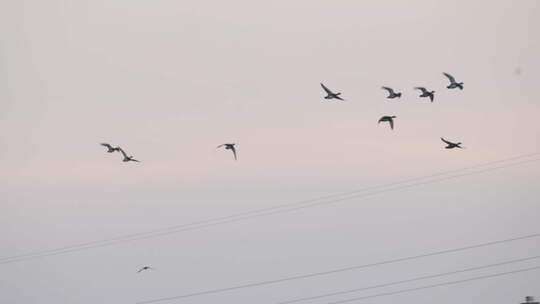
437	285
407	280
260	212
338	270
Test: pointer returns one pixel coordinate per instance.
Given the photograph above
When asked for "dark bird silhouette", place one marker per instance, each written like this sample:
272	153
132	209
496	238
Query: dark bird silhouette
426	93
144	268
331	95
453	84
229	147
127	158
451	145
391	93
110	148
390	120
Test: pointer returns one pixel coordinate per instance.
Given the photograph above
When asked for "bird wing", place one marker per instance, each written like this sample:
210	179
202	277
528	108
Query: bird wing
450	77
381	119
390	90
106	145
421	88
220	146
391	121
123	152
326	89
337	97
431	96
234	152
446	141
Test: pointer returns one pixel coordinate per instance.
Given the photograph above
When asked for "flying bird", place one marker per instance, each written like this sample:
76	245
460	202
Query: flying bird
331	95
110	148
453	84
391	93
426	93
126	157
144	268
390	120
451	145
229	147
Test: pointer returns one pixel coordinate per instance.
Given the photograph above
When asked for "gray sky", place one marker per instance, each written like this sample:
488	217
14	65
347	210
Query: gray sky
170	80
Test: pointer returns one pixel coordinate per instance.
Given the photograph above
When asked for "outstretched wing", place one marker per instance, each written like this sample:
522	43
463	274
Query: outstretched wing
450	77
431	96
446	141
421	88
106	145
220	146
337	97
326	89
122	151
234	152
390	90
391	121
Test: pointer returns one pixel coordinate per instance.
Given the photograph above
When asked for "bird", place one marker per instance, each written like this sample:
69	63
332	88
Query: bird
451	145
453	84
391	93
331	95
126	157
144	268
390	120
110	148
229	147
426	93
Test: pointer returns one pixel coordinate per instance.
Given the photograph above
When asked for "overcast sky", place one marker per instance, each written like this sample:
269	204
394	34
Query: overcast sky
168	81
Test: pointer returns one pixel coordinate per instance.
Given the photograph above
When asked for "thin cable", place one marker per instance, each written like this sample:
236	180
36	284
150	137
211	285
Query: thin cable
128	236
147	235
407	281
437	285
333	271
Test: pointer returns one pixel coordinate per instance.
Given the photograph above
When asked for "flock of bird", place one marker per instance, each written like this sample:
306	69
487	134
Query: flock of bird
393	94
331	95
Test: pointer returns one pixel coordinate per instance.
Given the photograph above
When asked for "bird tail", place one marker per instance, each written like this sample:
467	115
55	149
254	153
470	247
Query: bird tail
398	95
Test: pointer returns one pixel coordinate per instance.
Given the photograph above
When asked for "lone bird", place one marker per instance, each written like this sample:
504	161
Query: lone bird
331	95
426	93
229	147
391	93
144	268
110	148
390	120
453	84
126	157
451	145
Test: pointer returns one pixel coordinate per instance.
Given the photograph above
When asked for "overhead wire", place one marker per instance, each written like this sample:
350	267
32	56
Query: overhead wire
283	208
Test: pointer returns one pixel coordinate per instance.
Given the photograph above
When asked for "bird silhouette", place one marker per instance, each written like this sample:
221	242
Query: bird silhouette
389	119
331	95
127	158
453	84
144	268
426	93
391	93
229	147
110	148
451	145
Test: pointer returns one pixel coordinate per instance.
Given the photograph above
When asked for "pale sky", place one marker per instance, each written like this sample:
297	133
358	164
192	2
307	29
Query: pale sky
168	81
